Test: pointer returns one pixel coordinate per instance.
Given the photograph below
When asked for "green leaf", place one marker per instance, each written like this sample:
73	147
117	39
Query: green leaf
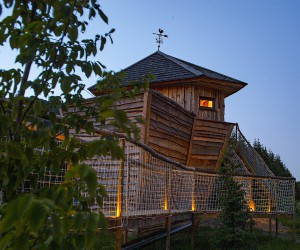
97	69
103	41
103	16
92	226
6	240
15	151
14	211
37	215
92	13
73	33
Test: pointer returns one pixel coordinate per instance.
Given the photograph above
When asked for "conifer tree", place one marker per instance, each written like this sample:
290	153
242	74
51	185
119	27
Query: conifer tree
235	214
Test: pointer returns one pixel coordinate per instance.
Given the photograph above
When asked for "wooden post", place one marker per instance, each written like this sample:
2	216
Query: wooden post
269	198
270	226
294	227
125	236
118	244
168	226
276	226
193	230
168	218
294	213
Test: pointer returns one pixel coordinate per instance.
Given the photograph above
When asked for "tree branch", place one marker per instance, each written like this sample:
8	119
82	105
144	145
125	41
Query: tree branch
46	79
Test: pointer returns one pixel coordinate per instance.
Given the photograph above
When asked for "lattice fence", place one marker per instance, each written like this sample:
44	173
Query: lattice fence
245	149
153	187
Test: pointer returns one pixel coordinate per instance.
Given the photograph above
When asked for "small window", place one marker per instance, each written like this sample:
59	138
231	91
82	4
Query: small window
206	103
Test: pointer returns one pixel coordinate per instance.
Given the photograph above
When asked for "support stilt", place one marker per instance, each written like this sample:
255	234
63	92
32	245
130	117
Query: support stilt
119	237
118	244
193	231
294	227
168	227
276	225
270	226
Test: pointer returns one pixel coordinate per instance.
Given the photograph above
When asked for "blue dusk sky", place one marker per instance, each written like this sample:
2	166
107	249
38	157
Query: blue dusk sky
257	42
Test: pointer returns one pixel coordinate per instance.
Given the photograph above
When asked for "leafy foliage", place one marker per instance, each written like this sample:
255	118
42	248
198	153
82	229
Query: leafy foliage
46	35
273	161
235	214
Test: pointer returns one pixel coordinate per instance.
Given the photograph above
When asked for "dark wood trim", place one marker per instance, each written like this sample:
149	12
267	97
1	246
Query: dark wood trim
223	150
191	143
146	115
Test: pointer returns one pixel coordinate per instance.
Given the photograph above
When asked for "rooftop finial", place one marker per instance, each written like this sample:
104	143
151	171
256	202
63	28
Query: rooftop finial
159	38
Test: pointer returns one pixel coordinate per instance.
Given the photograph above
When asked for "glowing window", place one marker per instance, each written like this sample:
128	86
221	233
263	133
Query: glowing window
206	103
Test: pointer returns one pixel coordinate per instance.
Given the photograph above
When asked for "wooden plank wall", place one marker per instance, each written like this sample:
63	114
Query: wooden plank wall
188	95
182	94
218	113
132	107
175	132
207	143
170	128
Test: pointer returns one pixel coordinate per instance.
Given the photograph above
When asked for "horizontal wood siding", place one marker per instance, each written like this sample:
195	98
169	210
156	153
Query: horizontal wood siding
187	96
207	142
215	115
182	94
132	107
169	129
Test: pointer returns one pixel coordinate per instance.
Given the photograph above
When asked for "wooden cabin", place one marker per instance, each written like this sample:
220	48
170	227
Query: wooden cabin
184	112
195	88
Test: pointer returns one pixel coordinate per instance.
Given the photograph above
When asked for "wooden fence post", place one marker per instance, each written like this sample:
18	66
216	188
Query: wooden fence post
118	244
169	217
276	227
294	212
270	226
193	229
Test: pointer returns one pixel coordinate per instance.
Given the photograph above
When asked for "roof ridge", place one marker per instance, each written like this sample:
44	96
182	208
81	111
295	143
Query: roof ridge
182	63
139	61
209	70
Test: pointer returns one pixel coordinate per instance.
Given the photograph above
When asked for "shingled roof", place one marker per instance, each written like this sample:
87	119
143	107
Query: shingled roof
167	68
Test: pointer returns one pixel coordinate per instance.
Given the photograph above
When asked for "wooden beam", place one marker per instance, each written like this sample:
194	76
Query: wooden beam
223	150
146	116
191	144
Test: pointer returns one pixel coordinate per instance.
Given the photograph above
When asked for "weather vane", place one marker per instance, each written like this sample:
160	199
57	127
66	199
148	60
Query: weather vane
159	38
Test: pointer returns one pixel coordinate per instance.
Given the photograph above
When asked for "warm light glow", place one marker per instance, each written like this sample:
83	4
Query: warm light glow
118	211
69	166
34	128
193	204
252	205
166	203
60	137
206	103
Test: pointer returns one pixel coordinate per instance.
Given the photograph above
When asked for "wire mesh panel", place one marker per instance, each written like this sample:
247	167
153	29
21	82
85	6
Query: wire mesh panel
143	185
206	192
182	191
151	187
245	185
249	154
107	174
285	197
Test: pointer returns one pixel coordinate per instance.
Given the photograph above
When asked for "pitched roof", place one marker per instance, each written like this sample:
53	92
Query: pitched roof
168	68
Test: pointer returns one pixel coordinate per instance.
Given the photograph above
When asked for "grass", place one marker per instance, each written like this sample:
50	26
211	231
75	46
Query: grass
205	236
289	222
